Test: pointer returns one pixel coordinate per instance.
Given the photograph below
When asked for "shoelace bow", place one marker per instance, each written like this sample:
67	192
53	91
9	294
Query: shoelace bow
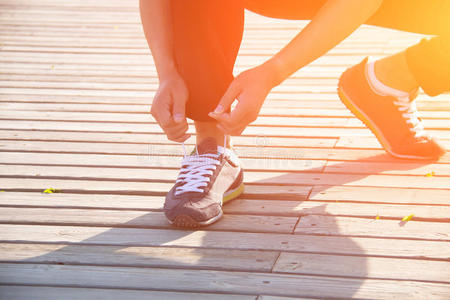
196	172
412	117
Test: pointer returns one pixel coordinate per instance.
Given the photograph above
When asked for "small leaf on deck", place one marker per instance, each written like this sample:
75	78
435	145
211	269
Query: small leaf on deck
51	191
407	218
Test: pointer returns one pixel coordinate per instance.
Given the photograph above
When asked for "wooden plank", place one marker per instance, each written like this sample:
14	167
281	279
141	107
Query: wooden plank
359	246
373	267
146	160
138	219
136	181
300	98
292	131
145	123
61	200
276	159
400	168
288	158
347	226
225	282
144	188
380	195
142	107
370	143
18	292
133	118
367	210
162	257
145	59
136	138
277	99
243	205
125	118
264	297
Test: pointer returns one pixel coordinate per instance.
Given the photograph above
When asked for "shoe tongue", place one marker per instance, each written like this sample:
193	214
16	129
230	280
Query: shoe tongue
208	145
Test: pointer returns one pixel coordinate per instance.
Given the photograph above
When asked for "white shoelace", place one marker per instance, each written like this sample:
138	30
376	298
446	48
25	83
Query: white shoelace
403	103
196	171
412	117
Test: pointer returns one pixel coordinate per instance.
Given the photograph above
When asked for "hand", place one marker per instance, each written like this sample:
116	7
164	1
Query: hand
250	89
168	108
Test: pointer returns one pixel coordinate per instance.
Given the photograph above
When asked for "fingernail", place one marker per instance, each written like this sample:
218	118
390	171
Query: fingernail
178	118
218	109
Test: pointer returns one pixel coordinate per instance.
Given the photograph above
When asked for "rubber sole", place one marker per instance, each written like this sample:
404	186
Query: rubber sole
233	194
371	125
186	221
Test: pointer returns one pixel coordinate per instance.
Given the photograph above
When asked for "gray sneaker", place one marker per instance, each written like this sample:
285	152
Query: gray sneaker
208	178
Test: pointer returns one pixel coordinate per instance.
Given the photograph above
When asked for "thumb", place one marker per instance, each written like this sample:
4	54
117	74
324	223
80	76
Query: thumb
178	110
227	99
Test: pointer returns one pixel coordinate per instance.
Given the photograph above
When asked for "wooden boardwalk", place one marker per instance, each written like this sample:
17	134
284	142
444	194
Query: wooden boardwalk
321	215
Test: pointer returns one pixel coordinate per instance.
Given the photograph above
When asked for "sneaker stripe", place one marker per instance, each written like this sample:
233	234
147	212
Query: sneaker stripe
233	194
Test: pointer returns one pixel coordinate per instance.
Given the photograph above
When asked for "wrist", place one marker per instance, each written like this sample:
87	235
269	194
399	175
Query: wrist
166	71
276	70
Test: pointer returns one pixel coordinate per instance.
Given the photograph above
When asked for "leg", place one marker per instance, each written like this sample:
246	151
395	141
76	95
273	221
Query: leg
381	94
426	64
207	37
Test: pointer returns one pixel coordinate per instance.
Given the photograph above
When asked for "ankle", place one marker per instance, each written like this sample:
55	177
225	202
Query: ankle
209	129
393	71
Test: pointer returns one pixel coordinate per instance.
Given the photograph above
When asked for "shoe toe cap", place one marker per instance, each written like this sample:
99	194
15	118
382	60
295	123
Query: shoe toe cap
426	148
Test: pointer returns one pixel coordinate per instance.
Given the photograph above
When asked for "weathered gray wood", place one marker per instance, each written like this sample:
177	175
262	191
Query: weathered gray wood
57	293
144	108
111	137
60	200
138	219
370	210
77	76
166	257
219	281
371	267
399	168
380	195
225	240
128	118
145	163
243	205
259	178
347	226
143	188
264	297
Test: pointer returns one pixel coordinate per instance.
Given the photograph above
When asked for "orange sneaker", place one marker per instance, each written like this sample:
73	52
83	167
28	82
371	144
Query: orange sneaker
394	121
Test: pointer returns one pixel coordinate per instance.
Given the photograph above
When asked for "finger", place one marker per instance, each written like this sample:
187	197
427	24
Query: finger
240	113
179	109
235	130
164	119
176	130
231	131
228	98
176	135
180	139
223	118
